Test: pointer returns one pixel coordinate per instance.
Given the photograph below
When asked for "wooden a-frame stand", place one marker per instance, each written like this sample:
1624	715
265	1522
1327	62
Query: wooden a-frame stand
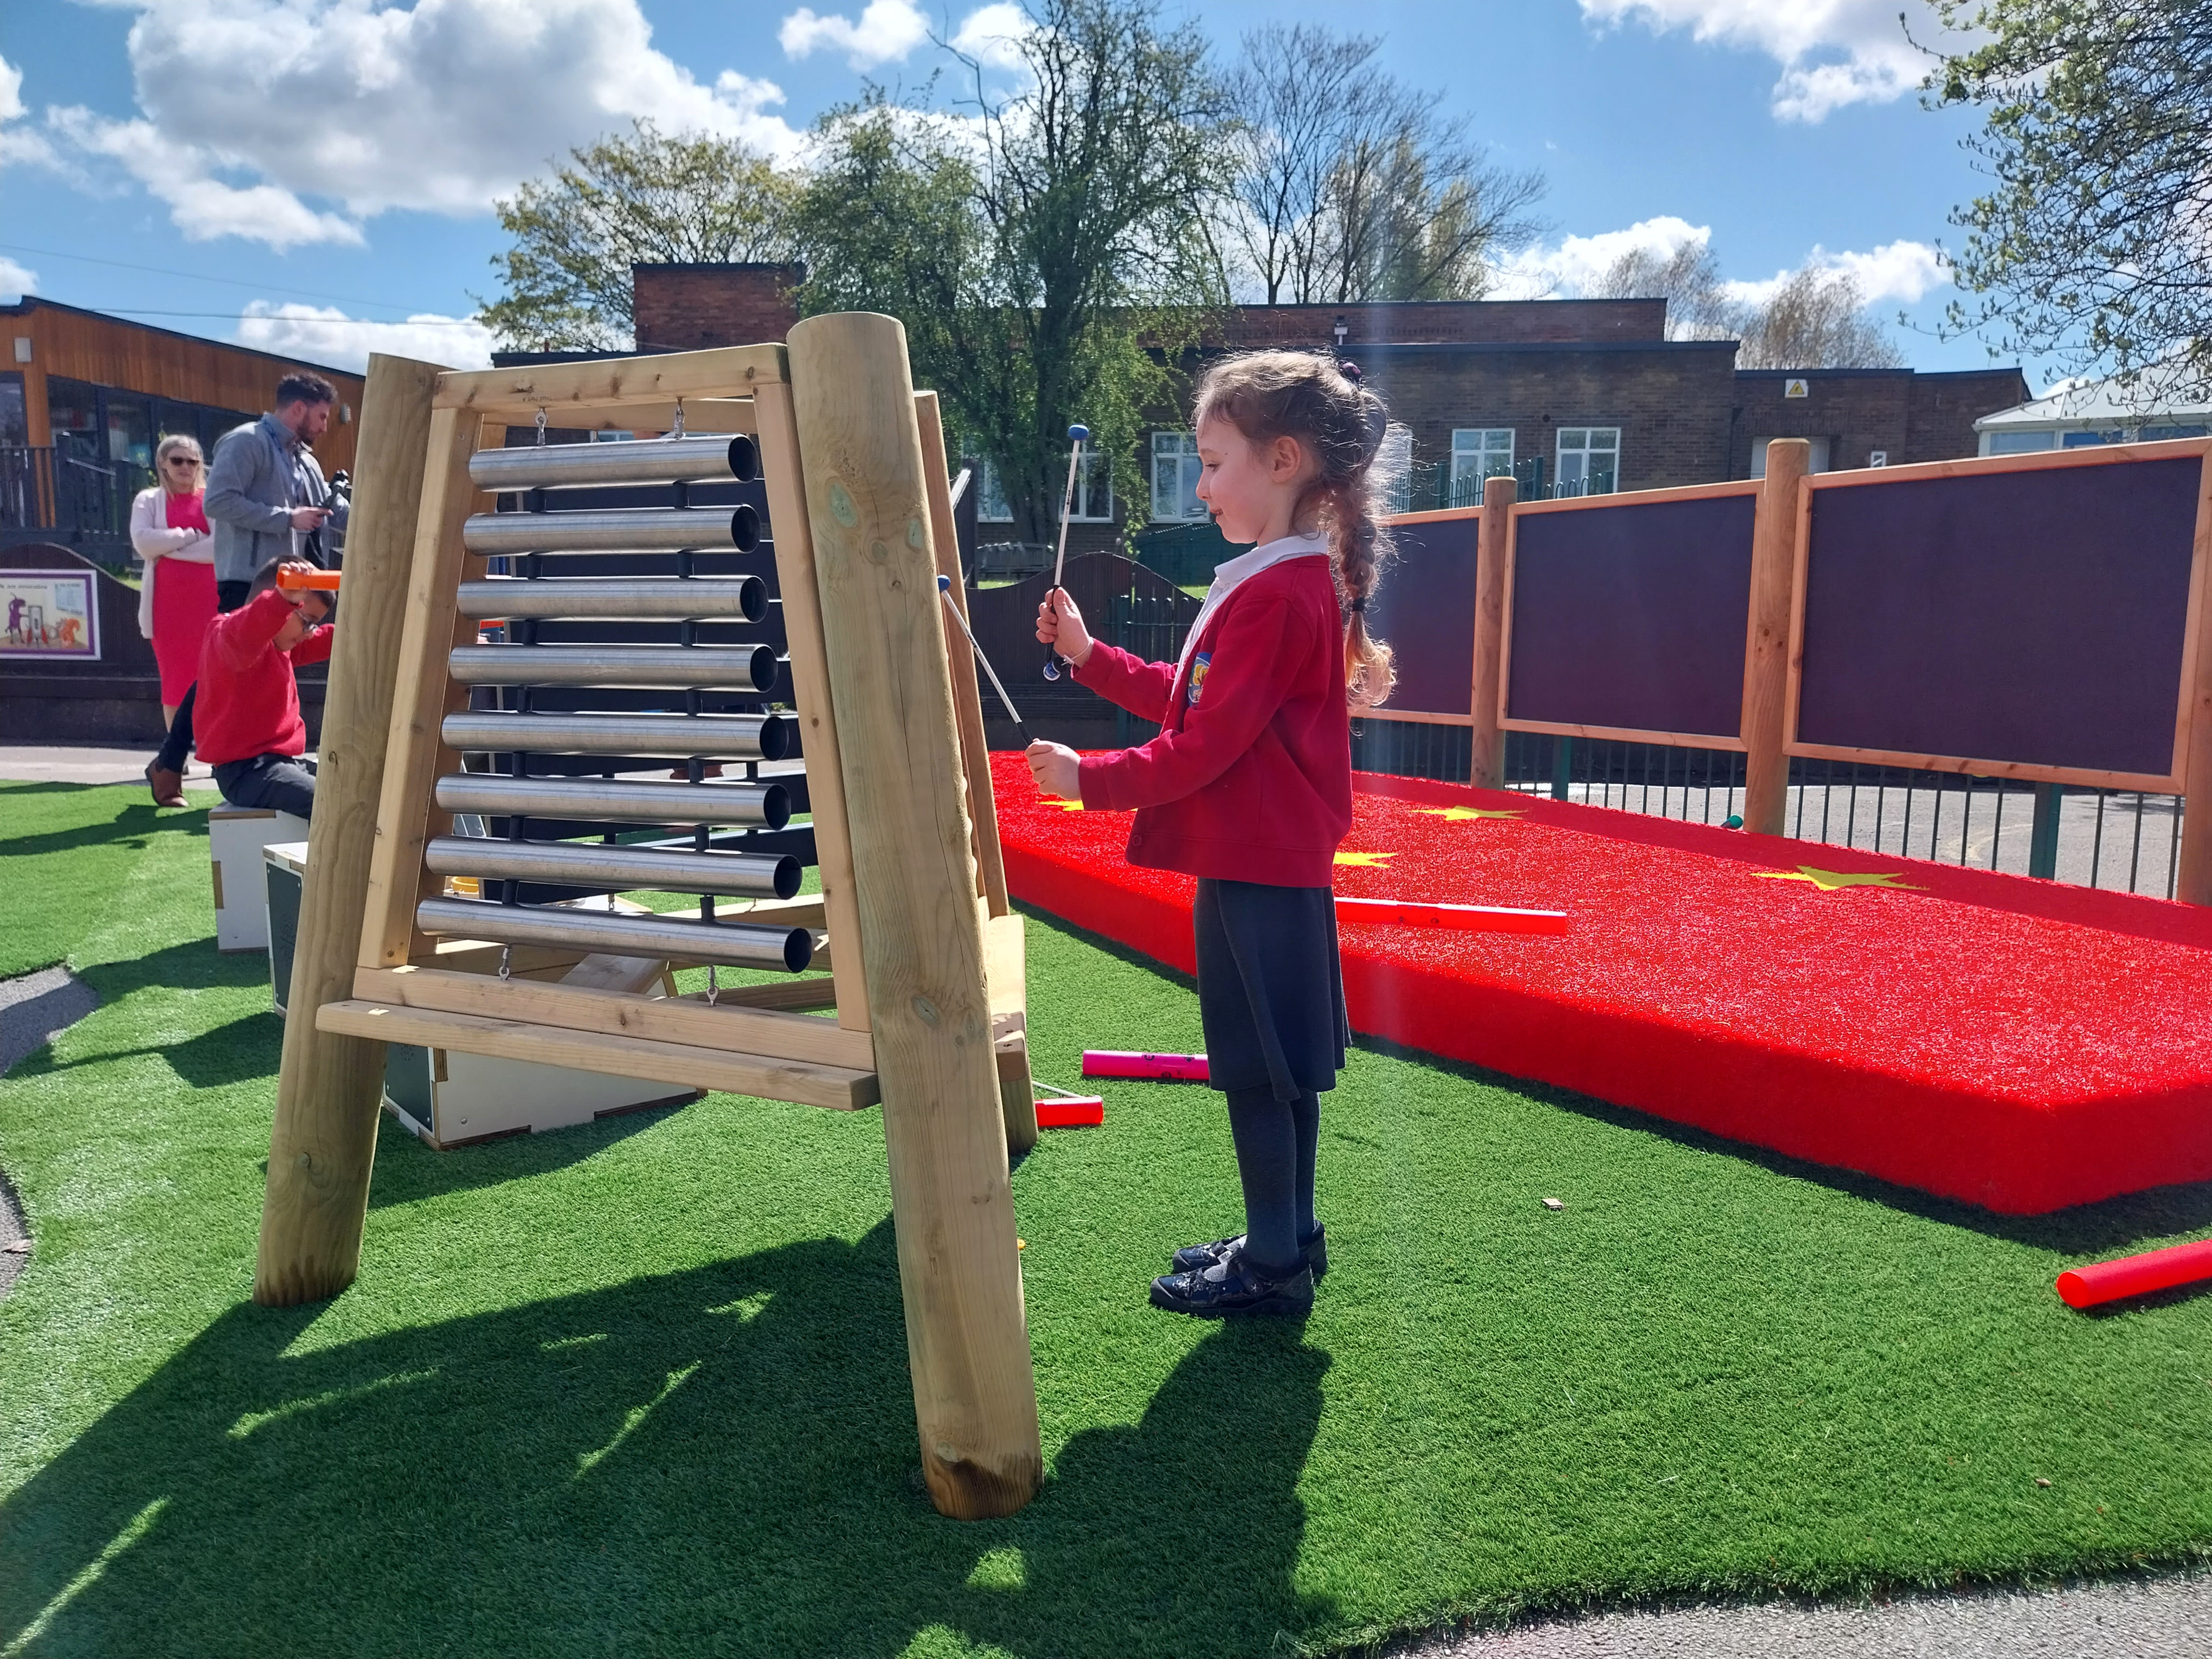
925	953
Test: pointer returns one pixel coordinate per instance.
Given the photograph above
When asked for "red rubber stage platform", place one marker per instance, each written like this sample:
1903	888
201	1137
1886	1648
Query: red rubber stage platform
2019	1044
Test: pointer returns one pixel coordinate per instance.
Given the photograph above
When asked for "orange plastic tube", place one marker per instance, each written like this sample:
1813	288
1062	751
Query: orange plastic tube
321	582
1076	1112
2136	1275
1465	918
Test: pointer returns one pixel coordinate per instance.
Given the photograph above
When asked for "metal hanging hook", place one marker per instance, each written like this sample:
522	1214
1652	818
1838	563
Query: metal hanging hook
506	960
714	985
541	426
676	431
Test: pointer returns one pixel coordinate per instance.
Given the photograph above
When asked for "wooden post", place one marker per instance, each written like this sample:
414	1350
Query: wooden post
328	1087
921	930
1017	1089
2193	883
1486	745
1767	644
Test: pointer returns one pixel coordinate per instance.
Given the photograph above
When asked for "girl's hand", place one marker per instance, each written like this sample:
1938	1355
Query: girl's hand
1057	768
1059	625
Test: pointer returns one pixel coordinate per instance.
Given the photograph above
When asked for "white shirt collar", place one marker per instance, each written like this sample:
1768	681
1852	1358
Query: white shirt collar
1231	574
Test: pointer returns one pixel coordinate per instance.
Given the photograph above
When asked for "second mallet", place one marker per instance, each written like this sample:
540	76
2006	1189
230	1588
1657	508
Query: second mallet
1077	435
945	592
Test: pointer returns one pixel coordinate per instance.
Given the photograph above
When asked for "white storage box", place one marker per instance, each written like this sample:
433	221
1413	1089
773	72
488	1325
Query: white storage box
236	836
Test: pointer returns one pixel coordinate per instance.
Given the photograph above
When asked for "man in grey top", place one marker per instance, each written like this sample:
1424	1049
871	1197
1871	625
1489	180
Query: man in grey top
265	493
266	500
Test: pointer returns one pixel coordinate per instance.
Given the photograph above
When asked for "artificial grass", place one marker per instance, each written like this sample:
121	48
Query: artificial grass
642	1386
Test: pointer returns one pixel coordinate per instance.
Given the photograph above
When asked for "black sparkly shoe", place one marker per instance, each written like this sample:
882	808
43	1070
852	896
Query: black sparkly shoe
1196	1258
1234	1290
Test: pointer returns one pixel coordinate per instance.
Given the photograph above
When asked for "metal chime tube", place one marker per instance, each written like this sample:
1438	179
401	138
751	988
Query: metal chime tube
729	945
615	529
733	668
716	459
676	737
648	599
595	800
615	869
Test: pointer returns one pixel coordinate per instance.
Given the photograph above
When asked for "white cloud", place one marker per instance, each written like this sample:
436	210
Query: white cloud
993	34
18	143
251	110
15	280
1896	270
1832	52
887	31
1569	266
323	334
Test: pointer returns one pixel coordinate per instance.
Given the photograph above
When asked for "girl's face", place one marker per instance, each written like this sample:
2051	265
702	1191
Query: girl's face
1251	489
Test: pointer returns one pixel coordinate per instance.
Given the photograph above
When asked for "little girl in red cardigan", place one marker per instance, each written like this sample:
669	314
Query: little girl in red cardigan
1248	785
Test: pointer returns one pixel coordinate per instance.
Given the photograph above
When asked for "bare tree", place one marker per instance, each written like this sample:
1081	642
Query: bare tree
1354	186
1816	320
1689	279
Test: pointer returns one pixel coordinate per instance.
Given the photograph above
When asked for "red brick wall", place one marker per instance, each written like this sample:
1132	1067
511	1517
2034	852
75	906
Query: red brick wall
1946	406
689	307
1911	416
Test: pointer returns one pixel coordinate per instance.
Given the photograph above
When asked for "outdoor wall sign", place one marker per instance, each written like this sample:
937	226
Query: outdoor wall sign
49	613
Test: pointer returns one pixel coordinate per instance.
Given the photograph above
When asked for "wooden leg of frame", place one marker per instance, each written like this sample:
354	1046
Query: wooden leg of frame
1486	740
921	929
328	1087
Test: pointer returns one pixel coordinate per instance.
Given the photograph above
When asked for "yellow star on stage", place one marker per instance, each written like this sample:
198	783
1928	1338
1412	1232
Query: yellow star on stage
1462	814
1067	806
1364	861
1829	881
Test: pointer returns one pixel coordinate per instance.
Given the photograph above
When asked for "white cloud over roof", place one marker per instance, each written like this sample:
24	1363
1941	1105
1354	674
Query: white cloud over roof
324	334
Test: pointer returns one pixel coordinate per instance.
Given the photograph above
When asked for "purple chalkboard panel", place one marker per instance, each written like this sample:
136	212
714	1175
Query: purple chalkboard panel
2028	617
1632	617
1426	610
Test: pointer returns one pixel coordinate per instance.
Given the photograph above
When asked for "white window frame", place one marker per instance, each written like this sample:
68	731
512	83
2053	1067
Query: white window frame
1096	477
1821	452
1181	449
1584	449
1476	452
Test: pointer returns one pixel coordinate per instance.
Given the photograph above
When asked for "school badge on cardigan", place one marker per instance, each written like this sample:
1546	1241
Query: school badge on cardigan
1198	667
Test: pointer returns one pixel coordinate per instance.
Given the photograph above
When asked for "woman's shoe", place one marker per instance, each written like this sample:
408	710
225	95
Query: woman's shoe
1196	1258
168	787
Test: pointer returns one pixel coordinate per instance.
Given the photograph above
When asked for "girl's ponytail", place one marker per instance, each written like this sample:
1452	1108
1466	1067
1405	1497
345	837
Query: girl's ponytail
1321	403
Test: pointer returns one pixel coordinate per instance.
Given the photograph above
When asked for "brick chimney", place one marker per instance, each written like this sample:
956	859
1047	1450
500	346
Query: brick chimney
688	308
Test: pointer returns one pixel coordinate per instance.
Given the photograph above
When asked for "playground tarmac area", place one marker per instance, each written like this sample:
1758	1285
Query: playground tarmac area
642	1385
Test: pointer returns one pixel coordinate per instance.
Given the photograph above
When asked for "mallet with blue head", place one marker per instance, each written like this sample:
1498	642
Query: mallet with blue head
1078	434
945	592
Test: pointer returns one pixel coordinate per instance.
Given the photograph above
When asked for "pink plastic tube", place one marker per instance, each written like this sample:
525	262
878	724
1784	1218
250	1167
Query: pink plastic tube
1467	918
1159	1068
2136	1275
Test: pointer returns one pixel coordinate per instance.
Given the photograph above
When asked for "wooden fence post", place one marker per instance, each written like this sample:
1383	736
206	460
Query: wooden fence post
1767	644
860	452
2192	882
329	1088
1486	742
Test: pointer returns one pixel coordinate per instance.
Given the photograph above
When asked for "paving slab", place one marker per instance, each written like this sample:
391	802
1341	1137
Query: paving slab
28	763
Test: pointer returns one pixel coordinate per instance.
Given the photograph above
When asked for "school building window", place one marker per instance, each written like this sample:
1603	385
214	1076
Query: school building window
1094	493
1478	453
1175	477
1590	460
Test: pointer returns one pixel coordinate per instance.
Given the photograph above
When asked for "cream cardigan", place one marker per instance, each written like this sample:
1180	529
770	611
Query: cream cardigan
153	540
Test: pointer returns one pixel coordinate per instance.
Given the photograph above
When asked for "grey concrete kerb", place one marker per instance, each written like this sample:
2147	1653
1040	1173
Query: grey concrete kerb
35	1009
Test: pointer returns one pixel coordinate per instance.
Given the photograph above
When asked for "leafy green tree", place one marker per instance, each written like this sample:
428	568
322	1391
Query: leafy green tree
1047	249
2094	242
643	196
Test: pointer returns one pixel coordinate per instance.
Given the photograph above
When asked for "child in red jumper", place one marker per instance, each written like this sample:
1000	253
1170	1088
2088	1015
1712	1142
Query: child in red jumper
249	728
1248	785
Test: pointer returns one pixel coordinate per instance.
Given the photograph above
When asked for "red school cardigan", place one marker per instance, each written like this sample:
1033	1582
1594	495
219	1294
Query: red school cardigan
1250	777
249	703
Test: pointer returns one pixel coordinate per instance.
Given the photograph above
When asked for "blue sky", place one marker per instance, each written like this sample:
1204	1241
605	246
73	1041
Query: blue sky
309	175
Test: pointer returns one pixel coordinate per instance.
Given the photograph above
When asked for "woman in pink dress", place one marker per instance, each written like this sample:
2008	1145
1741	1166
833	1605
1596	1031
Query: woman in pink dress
169	530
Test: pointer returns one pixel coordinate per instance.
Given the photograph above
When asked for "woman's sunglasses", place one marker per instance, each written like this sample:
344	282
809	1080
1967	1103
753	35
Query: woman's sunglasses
182	460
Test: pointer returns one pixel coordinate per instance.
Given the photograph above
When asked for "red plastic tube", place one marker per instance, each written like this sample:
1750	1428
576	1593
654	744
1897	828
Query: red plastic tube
324	581
1076	1112
2136	1275
1465	918
1157	1068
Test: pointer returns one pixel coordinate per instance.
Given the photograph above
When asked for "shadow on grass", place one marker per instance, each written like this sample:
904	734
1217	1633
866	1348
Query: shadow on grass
2086	1230
406	1169
722	1459
128	828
